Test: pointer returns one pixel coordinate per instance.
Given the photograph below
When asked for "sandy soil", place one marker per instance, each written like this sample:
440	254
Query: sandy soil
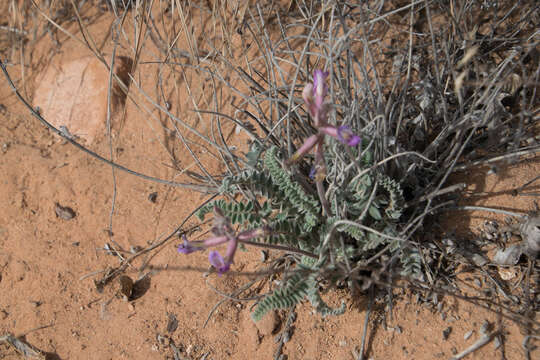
49	260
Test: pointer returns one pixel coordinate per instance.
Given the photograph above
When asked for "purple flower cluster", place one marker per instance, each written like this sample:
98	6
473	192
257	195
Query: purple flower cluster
314	95
223	233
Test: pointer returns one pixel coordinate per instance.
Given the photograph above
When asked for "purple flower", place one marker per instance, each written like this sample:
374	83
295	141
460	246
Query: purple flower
218	262
312	173
187	247
314	94
342	133
320	87
224	233
346	136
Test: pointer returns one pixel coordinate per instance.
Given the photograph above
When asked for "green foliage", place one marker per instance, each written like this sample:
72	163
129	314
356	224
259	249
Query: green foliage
241	213
296	288
294	291
317	302
296	196
395	207
412	262
373	200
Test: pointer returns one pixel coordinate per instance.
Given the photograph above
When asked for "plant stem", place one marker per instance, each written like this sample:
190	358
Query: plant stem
279	247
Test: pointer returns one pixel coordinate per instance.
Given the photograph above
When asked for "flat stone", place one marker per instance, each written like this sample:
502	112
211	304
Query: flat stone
74	94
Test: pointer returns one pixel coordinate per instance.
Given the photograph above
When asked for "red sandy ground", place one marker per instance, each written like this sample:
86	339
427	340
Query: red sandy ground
43	257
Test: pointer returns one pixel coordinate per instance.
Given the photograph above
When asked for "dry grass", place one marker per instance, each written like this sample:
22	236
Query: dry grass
437	87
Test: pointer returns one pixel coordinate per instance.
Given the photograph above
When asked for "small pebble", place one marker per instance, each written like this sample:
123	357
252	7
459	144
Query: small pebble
64	212
125	289
484	329
264	255
134	249
153	197
446	333
497	342
286	337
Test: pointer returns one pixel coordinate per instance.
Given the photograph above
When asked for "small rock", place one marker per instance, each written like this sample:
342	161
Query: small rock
467	335
84	110
64	212
508	256
135	249
497	342
268	324
530	233
163	340
36	303
343	343
286	337
153	197
485	328
172	323
446	333
125	287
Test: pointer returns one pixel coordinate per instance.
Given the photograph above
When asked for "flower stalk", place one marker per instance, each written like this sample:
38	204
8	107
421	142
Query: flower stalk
314	96
224	233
